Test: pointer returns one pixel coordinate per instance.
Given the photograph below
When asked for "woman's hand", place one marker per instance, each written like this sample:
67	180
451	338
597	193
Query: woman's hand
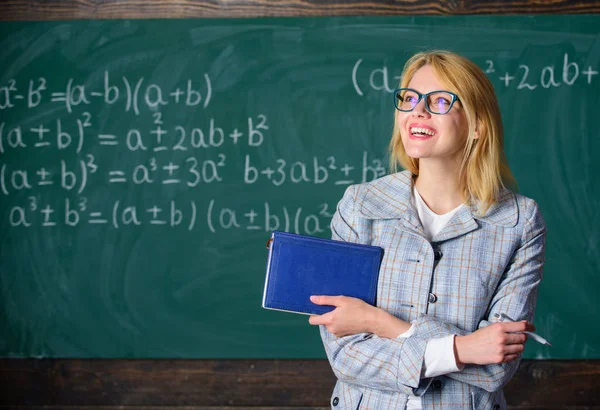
353	315
493	344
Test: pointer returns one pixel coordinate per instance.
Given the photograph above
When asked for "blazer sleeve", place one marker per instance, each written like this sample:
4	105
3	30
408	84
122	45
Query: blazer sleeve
364	359
516	296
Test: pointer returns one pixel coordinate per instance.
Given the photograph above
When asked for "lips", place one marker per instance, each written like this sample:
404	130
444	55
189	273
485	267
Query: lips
421	131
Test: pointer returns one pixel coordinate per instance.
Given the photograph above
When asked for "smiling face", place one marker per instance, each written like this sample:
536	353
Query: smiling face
428	136
468	139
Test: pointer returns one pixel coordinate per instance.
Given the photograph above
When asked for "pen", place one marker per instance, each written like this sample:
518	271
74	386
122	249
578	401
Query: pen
504	318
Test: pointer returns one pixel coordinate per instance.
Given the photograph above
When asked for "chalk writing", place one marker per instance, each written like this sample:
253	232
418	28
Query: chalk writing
567	74
268	218
133	93
82	157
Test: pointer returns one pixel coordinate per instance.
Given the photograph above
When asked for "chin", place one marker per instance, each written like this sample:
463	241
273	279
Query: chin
415	153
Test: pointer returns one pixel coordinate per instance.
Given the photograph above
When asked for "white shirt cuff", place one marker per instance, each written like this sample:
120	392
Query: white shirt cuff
439	357
409	332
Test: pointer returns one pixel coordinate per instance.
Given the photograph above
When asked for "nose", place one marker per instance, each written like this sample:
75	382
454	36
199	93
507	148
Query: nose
420	110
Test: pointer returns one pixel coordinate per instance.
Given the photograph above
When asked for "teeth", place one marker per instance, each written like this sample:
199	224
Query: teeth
417	130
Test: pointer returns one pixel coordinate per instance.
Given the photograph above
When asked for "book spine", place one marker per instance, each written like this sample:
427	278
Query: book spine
272	243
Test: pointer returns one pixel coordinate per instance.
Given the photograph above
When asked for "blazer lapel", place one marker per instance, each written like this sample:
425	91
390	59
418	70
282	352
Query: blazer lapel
410	220
461	223
504	212
390	198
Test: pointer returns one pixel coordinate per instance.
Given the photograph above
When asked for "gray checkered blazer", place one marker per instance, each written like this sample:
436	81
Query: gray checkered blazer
475	267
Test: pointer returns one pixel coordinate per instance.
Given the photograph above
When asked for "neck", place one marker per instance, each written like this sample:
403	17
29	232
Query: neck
439	187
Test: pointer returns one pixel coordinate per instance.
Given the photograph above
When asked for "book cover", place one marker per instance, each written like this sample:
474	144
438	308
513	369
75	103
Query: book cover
299	266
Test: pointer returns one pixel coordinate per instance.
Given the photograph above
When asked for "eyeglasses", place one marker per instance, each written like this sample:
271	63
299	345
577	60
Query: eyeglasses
436	102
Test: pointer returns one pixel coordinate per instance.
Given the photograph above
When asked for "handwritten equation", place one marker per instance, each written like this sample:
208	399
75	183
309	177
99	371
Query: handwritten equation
74	177
523	77
156	138
81	158
173	214
133	93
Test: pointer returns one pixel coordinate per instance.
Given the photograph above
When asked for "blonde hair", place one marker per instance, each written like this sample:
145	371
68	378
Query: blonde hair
484	169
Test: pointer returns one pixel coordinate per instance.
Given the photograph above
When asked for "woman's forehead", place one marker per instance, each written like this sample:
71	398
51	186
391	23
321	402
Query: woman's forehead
425	79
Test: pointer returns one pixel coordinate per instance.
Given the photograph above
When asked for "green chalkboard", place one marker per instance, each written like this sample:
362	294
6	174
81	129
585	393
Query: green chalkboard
143	165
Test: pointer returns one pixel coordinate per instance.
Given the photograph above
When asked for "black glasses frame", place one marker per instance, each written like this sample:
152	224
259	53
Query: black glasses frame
424	98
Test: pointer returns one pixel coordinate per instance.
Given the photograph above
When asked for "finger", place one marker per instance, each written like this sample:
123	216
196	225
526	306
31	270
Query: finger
317	319
515	338
510	357
530	327
521	326
326	300
513	327
514	349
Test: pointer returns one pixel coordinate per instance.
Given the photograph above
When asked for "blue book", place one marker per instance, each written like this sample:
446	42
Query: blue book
300	266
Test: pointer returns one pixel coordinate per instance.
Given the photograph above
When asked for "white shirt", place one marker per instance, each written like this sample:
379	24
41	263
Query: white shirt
439	354
432	222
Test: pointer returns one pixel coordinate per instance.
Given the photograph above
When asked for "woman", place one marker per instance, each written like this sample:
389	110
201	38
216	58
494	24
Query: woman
460	249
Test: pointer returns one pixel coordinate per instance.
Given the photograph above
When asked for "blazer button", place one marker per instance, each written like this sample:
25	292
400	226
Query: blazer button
436	384
437	255
432	299
335	401
496	407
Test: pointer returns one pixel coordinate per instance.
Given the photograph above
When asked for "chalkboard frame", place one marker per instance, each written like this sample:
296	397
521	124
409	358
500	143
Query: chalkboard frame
152	9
